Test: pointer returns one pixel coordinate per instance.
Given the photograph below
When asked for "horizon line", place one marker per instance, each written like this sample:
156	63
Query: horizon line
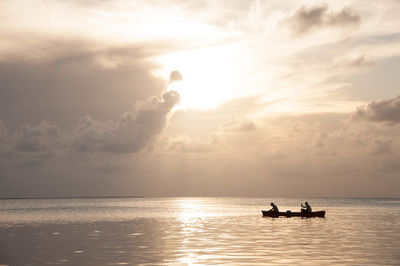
113	196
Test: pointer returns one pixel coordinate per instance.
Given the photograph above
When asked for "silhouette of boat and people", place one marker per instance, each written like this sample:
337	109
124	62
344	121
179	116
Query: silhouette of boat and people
305	211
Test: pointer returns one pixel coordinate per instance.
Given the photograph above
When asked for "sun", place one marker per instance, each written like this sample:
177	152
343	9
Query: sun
211	75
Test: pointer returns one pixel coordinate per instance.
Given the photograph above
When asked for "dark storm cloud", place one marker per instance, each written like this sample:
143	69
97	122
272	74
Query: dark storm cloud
129	132
307	18
380	111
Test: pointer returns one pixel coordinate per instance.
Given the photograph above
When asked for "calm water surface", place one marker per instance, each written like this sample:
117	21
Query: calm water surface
197	231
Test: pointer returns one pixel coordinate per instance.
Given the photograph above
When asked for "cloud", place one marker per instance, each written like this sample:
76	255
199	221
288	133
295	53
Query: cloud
346	17
382	147
303	150
354	62
66	79
281	149
73	68
175	76
45	146
390	166
238	126
185	144
129	132
308	18
37	138
29	146
380	111
3	134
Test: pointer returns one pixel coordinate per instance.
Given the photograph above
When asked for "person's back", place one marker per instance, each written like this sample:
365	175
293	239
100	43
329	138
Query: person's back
274	207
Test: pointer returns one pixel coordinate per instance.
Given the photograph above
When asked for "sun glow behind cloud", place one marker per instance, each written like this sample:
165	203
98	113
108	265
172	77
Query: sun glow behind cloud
218	63
223	51
211	75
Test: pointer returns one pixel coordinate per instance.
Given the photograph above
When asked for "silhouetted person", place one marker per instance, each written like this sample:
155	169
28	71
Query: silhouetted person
274	208
306	207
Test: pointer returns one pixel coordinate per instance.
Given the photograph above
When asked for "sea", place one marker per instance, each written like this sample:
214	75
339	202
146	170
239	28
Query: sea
197	231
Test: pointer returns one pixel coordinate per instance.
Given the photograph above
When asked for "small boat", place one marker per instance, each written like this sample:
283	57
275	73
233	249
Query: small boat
293	214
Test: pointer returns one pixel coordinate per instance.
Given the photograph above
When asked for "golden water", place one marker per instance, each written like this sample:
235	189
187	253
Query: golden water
197	231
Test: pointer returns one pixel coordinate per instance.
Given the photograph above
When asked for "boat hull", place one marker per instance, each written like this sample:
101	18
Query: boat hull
293	214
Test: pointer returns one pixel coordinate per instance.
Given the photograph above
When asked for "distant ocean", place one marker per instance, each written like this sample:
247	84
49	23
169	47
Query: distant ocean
197	231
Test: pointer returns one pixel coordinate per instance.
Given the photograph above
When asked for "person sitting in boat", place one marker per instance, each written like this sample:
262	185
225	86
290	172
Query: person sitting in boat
274	208
306	207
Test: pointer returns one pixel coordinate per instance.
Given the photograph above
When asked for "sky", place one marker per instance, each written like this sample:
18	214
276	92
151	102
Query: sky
199	98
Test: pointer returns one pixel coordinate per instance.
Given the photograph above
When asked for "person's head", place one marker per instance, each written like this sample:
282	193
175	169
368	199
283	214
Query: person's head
272	204
306	203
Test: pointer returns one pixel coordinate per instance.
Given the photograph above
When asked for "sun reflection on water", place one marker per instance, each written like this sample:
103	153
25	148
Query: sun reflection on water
191	209
193	214
186	261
